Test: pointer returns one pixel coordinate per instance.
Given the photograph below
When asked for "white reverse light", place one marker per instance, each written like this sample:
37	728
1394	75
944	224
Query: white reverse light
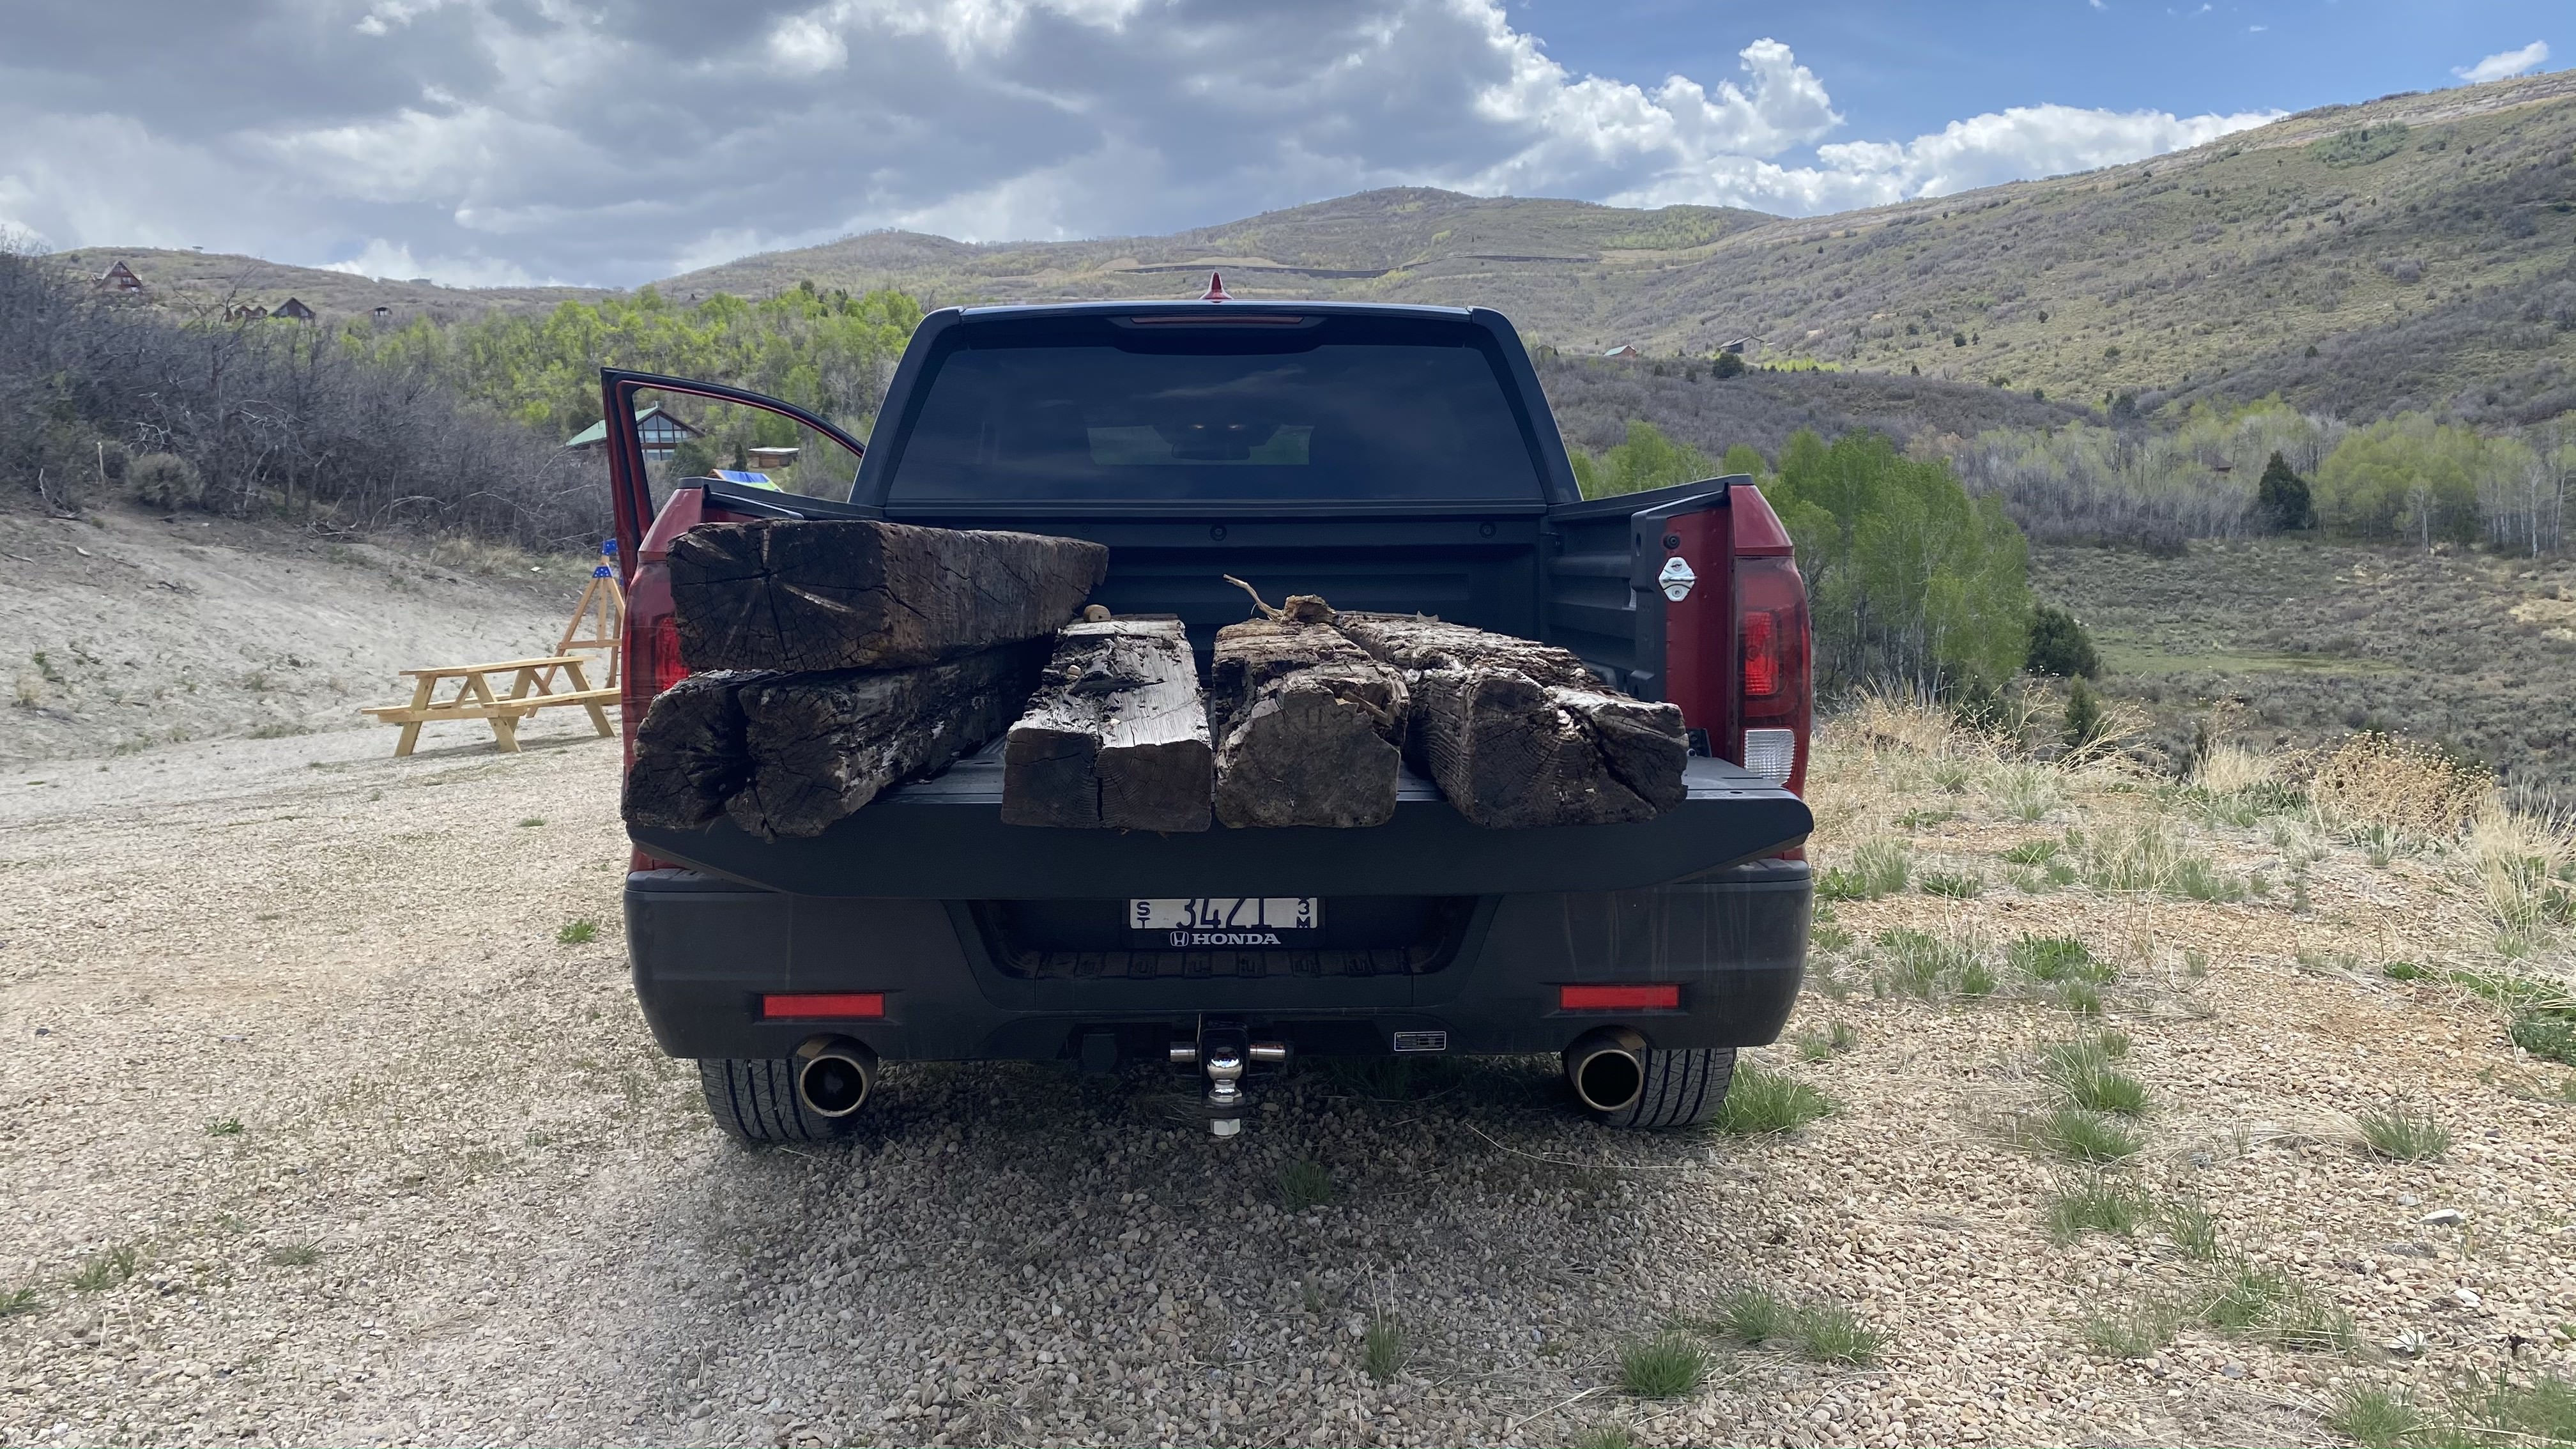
1772	754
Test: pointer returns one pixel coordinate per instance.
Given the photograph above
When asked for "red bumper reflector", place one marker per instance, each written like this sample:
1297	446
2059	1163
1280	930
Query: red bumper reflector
1618	998
868	1004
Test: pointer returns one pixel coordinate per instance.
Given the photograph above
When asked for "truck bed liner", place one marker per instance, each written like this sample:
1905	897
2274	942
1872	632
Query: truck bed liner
943	839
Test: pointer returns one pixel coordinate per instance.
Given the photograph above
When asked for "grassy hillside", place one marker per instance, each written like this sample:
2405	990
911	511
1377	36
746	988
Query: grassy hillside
2423	245
1595	399
189	280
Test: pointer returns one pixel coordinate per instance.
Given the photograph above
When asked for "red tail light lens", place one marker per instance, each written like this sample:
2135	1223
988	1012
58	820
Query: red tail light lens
1663	997
832	1005
1779	687
1761	654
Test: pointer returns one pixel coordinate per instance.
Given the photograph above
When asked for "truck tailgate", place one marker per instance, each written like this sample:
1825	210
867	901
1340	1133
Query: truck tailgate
943	839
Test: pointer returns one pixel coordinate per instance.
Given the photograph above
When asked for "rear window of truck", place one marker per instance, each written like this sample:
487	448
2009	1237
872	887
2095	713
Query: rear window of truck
1325	409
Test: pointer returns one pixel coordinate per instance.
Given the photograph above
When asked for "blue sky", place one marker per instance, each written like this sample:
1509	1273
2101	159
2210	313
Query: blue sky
514	141
1905	67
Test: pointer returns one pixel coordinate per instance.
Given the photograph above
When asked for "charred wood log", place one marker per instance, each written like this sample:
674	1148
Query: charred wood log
690	755
1518	733
1308	728
800	594
1117	736
824	745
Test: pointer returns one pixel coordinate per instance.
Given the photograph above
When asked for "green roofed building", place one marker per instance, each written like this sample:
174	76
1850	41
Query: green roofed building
659	431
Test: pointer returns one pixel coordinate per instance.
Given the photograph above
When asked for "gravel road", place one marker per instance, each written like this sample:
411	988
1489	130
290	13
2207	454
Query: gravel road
312	1130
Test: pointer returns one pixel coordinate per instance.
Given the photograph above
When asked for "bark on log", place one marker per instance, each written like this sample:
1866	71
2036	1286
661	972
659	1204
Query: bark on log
690	755
856	594
823	745
1518	733
1117	737
1308	728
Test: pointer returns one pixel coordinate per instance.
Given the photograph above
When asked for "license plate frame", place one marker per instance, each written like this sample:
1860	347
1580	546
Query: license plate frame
1225	913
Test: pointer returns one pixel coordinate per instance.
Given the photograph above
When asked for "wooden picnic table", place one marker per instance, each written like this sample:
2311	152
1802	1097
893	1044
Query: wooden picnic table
531	689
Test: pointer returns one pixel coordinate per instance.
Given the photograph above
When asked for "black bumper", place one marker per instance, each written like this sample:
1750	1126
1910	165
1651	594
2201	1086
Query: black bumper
706	949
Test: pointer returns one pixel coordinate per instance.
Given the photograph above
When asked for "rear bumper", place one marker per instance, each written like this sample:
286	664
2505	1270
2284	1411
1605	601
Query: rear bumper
706	949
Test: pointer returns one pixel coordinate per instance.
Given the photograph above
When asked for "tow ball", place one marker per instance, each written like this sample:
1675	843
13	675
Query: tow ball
1223	1052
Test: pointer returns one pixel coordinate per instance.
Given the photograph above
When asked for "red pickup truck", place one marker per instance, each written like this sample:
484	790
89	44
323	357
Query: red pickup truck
1387	458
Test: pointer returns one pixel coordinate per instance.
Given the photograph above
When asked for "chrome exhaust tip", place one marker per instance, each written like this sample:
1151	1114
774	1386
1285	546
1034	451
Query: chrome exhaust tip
834	1075
1607	1068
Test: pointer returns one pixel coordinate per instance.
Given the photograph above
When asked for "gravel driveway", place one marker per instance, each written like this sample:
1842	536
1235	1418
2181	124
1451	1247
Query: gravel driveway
312	1130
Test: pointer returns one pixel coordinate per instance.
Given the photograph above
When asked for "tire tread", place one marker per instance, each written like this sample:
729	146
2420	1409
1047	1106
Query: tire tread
1682	1088
755	1101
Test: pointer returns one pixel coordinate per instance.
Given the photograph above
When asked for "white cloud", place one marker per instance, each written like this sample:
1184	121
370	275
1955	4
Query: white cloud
382	258
505	140
2504	63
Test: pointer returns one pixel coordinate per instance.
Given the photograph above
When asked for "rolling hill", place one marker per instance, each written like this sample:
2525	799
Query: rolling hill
194	279
2414	251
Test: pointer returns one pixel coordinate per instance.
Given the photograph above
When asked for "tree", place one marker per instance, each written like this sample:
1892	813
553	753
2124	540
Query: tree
2060	645
2281	499
1730	363
2084	720
1910	581
1646	460
2406	475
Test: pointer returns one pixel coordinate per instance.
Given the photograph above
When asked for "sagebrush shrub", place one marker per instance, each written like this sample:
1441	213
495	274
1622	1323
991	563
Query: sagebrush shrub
165	481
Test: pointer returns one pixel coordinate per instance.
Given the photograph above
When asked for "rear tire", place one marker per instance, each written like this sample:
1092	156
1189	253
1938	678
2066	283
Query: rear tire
1683	1088
756	1102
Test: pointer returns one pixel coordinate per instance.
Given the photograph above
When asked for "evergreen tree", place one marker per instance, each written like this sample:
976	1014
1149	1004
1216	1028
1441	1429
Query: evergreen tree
2281	498
2060	645
2084	721
1729	364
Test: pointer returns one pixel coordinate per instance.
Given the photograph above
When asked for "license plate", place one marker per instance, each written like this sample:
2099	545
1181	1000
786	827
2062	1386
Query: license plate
1225	913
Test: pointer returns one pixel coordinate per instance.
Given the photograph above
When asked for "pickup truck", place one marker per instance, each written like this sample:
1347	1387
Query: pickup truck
1395	458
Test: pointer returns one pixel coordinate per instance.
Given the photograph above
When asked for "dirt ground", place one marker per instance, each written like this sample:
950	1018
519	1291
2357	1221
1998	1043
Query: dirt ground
324	1121
128	630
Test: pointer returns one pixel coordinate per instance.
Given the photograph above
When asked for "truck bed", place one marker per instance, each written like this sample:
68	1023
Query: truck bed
943	839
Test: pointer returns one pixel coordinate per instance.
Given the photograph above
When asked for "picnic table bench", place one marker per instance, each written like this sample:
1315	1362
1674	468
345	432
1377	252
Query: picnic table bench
531	689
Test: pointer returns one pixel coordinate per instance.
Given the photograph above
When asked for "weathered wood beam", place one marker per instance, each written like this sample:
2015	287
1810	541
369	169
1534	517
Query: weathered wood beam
1518	733
824	745
1117	735
812	594
690	755
1308	728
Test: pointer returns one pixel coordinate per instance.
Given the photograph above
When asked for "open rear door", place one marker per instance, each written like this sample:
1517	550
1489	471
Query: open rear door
626	400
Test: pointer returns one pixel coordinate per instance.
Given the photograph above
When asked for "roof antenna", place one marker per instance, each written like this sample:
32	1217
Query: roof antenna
1216	288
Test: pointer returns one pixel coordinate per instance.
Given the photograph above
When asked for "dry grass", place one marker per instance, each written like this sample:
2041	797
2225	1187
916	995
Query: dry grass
2376	779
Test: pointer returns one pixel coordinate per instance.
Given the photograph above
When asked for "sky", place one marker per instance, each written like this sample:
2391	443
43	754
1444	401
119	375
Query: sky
610	142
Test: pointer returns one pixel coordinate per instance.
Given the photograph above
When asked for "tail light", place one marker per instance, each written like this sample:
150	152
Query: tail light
1775	679
651	661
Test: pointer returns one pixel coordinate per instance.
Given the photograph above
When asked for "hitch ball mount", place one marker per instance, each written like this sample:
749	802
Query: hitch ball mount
1224	1052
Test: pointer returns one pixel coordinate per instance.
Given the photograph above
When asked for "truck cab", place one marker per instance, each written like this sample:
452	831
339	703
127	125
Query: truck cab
1387	458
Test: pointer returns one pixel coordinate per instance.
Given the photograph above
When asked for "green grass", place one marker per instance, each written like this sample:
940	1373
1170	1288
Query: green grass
2030	852
2404	971
224	1127
1920	964
1666	1366
1832	1333
1823	1045
2082	1074
2250	1300
19	1301
577	933
2541	1408
2544	1033
1878	868
1606	1434
2080	1136
2132	1332
1919	819
1825	1332
107	1269
2404	1134
1304	1184
2083	998
1382	1348
1761	1102
2098	1205
295	1255
1754	1315
2375	1417
2190	1228
1955	885
532	821
2059	958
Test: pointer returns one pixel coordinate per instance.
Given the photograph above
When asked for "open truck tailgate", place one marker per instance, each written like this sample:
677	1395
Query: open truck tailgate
943	839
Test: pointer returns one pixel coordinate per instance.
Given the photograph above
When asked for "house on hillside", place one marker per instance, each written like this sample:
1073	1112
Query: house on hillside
381	315
768	458
1624	352
118	278
246	312
293	311
660	431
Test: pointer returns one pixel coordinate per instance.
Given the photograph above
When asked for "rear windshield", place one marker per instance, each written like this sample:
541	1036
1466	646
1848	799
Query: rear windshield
1342	408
